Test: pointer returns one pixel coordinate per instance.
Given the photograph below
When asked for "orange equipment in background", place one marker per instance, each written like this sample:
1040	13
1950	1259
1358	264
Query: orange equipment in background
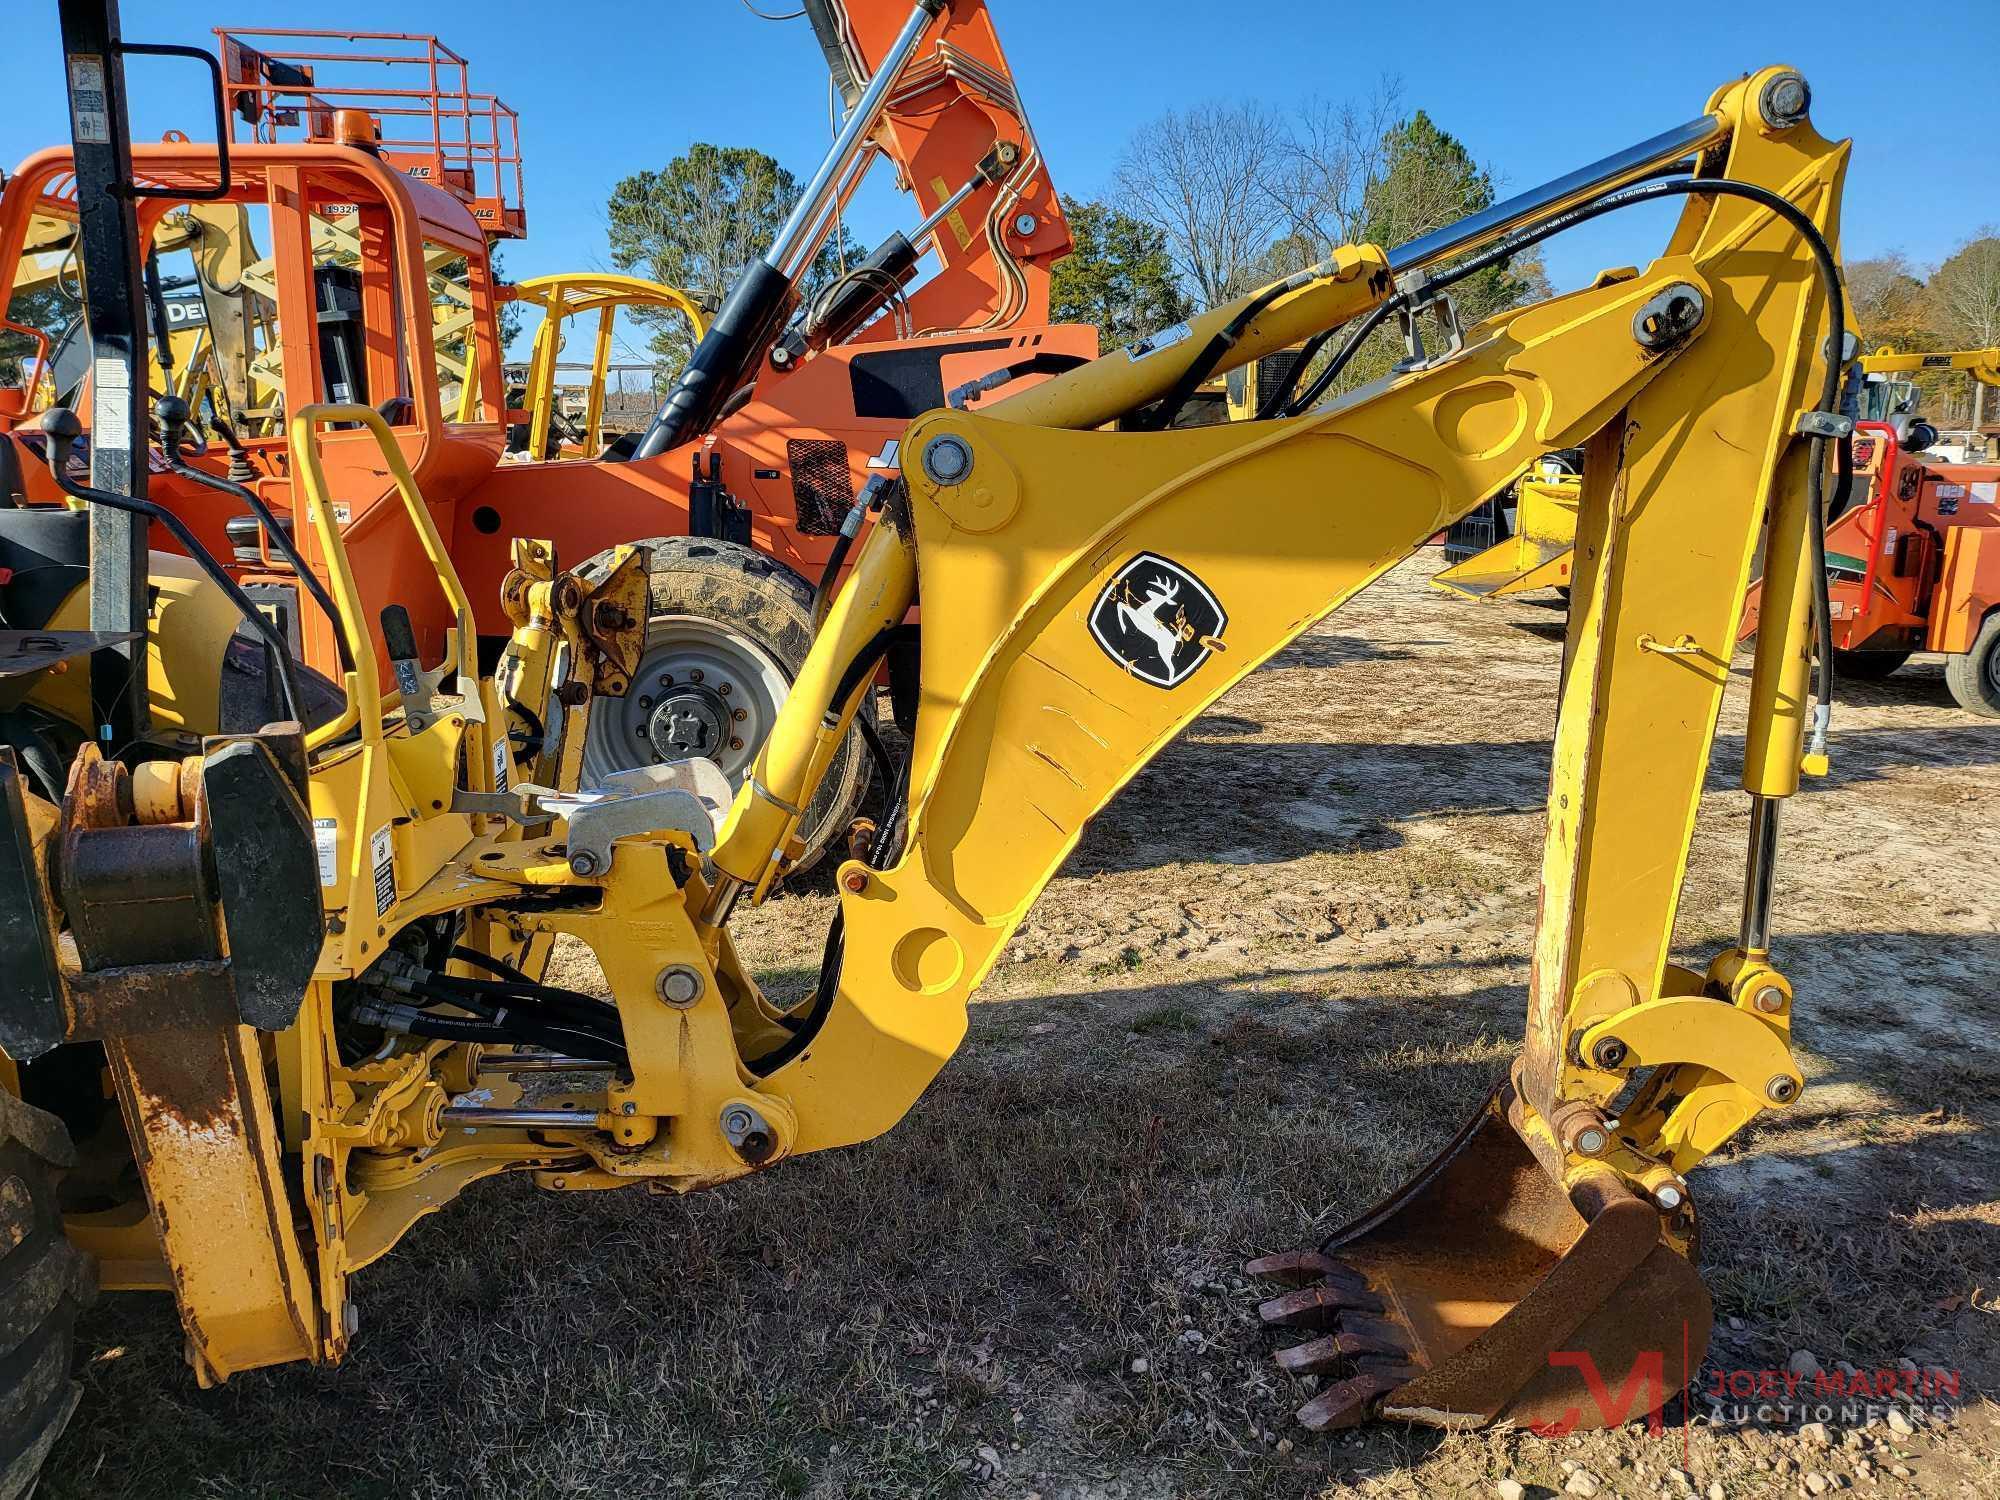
379	194
1914	565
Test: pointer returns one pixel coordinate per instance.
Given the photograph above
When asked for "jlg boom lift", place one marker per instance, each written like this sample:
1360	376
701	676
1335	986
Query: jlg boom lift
319	980
376	198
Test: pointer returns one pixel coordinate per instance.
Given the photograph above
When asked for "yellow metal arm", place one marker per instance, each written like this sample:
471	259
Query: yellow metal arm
1034	536
1983	365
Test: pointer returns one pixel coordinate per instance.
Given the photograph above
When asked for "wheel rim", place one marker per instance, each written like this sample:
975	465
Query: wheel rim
701	689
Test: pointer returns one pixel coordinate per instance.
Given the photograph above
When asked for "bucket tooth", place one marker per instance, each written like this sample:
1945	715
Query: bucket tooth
1291	1267
1350	1402
1317	1306
1483	1291
1331	1351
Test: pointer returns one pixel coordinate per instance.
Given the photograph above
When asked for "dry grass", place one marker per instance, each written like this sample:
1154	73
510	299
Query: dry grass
1220	1030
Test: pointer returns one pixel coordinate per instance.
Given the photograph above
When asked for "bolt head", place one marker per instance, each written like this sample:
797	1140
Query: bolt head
1591	1140
855	880
629	1107
680	985
947	459
1609	1052
1026	224
583	862
1782	1089
1770	1000
1669	1197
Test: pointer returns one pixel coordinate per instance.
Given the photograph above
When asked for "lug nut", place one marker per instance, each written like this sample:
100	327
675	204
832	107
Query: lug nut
666	679
740	715
735	744
723	689
645	703
695	675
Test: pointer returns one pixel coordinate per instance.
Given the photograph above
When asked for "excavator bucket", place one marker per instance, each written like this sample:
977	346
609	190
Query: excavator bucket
1483	1292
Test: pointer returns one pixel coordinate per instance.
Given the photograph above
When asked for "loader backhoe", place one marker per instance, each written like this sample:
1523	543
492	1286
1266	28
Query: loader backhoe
310	960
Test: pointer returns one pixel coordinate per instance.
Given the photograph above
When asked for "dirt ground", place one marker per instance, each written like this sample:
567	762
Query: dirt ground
1273	979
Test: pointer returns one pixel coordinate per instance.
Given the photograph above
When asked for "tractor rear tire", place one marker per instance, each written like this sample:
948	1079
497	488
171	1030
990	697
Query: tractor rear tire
728	633
1974	675
44	1281
1867	666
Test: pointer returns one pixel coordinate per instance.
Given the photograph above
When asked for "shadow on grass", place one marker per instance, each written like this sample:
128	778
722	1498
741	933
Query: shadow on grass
1076	1192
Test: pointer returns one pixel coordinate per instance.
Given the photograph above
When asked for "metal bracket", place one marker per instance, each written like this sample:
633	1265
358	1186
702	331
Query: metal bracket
1826	424
1416	300
682	796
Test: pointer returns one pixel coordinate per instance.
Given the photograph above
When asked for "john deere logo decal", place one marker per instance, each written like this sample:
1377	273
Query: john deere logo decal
1157	620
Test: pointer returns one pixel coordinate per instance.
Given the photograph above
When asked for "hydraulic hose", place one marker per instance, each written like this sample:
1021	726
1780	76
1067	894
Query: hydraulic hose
1829	398
1325	379
1162	414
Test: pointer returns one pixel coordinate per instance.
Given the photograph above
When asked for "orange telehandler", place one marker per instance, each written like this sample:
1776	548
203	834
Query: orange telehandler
378	199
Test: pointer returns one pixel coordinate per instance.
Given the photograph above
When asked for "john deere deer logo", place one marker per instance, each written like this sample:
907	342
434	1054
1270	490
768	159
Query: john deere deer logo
1157	620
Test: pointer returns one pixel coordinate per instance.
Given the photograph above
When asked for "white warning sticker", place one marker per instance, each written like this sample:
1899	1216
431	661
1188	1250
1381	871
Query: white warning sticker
1985	491
89	110
500	765
1166	338
326	844
382	851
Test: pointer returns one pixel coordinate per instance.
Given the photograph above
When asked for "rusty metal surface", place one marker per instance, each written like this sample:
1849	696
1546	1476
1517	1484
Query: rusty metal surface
1444	1304
197	1106
151	997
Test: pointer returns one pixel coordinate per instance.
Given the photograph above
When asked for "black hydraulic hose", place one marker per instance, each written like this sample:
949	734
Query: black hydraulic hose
887	847
63	429
1308	352
1376	317
866	660
1212	354
516	1023
878	752
173	414
581	1009
492	965
1829	398
850	527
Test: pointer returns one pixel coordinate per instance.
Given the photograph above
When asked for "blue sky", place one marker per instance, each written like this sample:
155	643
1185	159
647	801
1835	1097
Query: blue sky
607	87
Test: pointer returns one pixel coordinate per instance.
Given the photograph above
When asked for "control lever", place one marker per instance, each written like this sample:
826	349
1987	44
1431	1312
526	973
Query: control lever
173	414
62	429
417	688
